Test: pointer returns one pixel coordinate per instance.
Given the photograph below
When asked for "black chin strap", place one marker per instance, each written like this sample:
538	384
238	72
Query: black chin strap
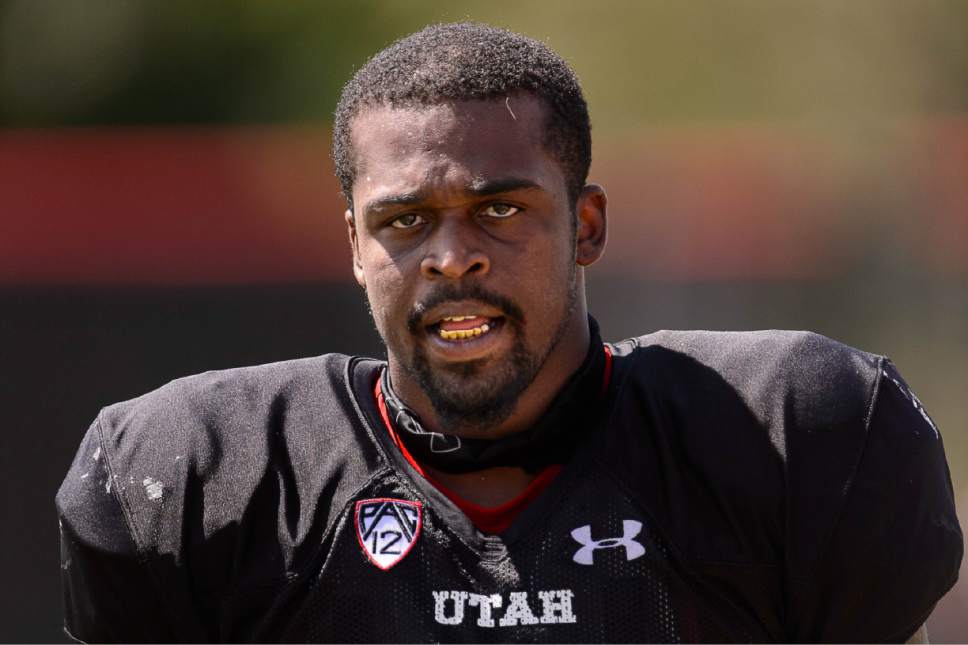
551	441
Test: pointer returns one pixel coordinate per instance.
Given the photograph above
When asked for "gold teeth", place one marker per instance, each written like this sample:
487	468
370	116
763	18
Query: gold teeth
464	334
455	318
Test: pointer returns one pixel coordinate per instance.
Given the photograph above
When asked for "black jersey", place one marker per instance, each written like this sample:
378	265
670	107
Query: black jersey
736	487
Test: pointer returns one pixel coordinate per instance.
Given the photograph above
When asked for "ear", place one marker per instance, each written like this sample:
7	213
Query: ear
592	224
355	246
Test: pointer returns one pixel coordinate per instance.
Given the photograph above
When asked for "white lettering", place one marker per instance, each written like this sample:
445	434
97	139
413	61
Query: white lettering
518	611
440	607
486	603
557	606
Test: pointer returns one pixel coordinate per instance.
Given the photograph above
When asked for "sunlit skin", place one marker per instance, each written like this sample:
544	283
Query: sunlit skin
461	195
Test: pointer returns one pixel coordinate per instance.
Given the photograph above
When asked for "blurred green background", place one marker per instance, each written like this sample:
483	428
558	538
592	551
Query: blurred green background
167	203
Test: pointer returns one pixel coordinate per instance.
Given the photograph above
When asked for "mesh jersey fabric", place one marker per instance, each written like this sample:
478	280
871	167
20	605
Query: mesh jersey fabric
737	486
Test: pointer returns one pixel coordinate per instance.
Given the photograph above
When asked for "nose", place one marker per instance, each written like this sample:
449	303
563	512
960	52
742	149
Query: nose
454	252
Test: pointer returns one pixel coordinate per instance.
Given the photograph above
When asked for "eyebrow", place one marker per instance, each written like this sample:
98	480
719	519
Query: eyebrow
483	188
402	199
478	188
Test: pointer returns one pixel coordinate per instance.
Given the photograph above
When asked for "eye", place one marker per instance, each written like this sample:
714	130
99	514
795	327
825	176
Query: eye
408	220
500	211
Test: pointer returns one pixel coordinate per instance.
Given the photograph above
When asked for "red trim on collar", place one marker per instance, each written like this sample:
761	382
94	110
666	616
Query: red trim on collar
607	376
385	415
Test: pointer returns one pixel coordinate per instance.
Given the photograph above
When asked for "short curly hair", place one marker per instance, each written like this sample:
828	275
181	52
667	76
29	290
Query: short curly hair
468	61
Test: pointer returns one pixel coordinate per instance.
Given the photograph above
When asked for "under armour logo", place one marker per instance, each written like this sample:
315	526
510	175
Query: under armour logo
586	554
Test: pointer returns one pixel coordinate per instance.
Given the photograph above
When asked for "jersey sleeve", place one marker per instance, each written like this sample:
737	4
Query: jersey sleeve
109	592
896	546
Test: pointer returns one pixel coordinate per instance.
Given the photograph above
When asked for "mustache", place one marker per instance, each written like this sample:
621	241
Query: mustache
453	293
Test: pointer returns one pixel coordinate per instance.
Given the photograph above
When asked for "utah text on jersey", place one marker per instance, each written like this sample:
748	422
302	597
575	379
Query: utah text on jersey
449	608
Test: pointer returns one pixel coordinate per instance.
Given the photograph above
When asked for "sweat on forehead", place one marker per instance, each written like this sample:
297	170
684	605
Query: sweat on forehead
462	130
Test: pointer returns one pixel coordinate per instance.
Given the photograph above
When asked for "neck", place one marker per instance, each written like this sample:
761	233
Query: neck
488	487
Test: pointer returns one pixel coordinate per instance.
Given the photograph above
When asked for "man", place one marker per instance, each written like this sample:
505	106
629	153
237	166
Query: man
505	475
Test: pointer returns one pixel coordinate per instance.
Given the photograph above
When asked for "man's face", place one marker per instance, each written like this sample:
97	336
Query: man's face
464	240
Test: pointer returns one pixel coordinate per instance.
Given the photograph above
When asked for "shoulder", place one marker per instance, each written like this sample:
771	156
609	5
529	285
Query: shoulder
737	424
738	346
228	439
793	449
223	408
221	395
796	378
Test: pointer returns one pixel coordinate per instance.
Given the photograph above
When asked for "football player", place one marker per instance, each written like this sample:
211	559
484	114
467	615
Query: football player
506	475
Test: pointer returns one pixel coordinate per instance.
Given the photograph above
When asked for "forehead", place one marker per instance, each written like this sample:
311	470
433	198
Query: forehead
439	147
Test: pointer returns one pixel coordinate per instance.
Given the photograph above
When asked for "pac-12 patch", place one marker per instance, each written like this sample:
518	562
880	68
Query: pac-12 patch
387	529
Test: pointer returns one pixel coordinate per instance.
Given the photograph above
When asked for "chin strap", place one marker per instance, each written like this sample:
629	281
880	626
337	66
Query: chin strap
571	415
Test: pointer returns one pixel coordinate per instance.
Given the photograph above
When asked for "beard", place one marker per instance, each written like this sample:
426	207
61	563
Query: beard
472	397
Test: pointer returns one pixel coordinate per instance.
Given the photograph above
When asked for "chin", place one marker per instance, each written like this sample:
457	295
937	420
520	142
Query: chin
477	394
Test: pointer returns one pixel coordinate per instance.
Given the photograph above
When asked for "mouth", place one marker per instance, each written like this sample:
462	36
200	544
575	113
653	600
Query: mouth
465	327
465	331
